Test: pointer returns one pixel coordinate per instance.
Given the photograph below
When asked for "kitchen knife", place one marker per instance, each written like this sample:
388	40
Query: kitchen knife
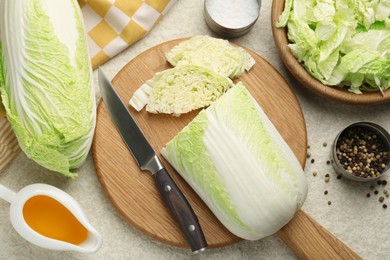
147	160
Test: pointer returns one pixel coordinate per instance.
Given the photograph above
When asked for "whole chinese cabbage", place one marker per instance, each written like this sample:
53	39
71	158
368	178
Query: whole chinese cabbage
45	81
238	163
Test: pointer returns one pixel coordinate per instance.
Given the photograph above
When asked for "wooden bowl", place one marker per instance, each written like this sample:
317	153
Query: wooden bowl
300	73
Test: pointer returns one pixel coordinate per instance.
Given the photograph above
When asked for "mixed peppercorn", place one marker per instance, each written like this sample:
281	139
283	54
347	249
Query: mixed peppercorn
362	152
379	149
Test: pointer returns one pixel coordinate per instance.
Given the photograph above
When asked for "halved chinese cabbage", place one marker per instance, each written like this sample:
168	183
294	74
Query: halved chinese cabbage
45	81
241	167
216	54
180	90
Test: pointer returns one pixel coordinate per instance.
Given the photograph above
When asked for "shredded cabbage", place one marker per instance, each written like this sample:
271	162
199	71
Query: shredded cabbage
341	43
237	162
45	81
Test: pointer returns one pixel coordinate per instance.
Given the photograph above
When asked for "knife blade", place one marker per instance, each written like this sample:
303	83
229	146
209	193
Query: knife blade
147	160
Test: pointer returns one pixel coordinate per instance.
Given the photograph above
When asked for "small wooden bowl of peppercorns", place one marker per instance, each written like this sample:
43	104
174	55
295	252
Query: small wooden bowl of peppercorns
361	152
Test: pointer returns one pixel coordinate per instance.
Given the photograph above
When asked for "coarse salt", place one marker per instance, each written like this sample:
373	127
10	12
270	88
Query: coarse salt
233	13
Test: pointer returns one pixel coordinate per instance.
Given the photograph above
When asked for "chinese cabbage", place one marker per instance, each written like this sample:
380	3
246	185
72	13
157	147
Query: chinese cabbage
45	81
239	165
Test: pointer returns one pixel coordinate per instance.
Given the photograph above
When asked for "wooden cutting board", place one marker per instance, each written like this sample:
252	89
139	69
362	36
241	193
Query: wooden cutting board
133	192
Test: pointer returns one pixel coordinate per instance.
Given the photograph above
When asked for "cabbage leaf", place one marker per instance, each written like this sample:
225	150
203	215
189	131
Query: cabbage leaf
341	43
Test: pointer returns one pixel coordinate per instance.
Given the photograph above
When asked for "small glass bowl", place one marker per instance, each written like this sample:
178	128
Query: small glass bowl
225	30
380	132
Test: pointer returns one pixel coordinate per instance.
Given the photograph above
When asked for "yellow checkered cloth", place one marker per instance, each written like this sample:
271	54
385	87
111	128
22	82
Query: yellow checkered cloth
113	25
8	144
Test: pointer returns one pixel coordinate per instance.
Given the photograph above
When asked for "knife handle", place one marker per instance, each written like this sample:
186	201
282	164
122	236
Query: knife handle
181	211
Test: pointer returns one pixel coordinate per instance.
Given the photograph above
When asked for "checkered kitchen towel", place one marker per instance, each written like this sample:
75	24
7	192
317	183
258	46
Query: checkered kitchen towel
9	146
111	26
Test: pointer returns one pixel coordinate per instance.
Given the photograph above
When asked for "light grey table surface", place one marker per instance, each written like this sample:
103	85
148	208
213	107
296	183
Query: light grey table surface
358	221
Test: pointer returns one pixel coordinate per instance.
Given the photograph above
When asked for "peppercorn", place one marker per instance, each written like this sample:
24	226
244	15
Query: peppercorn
328	162
362	152
315	173
325	144
329	202
384	206
339	176
368	195
376	192
312	161
325	192
381	199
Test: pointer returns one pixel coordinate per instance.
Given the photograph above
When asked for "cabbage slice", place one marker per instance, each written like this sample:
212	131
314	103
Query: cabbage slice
180	90
238	163
216	54
45	81
201	74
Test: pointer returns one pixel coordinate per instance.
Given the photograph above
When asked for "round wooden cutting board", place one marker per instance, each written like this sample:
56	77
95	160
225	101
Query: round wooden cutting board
133	192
